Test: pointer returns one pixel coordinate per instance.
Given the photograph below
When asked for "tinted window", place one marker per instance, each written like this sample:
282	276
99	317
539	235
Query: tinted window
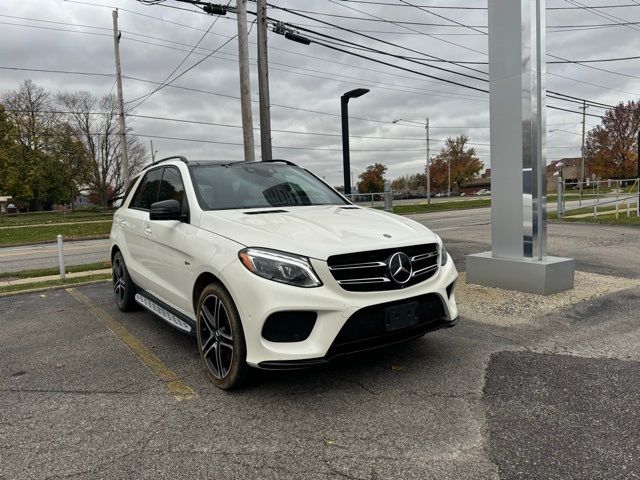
256	185
148	190
171	186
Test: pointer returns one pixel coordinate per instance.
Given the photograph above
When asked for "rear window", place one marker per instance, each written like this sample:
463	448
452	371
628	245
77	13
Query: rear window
259	185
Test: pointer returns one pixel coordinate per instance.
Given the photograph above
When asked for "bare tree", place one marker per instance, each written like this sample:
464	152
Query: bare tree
95	122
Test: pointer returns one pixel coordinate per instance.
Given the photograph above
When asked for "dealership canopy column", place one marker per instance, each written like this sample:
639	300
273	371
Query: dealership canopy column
518	259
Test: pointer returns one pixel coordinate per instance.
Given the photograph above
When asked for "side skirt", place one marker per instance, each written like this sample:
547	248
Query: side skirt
165	312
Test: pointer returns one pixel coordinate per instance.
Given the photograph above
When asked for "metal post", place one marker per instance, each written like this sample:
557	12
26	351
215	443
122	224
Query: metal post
584	114
428	165
123	130
61	257
449	177
153	153
346	160
263	81
245	82
559	196
638	159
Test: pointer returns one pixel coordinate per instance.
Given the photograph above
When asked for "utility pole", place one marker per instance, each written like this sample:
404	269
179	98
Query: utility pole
584	114
123	130
263	81
428	164
245	82
153	153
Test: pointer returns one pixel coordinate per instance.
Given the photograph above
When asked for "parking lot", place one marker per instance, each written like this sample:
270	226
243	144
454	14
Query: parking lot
521	388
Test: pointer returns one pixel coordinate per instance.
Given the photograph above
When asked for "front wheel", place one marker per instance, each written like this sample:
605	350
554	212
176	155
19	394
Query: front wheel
221	339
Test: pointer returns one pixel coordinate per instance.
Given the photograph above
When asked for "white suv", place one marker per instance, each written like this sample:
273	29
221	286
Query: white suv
270	267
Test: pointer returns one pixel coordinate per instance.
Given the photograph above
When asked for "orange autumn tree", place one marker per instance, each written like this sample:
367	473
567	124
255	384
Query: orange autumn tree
372	179
611	147
465	164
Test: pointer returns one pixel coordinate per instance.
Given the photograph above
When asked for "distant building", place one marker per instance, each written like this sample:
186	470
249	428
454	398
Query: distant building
568	168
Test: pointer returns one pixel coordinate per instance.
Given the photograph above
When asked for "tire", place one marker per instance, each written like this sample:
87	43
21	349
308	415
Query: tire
221	339
124	290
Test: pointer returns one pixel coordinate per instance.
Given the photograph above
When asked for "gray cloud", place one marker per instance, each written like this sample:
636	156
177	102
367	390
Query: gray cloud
298	80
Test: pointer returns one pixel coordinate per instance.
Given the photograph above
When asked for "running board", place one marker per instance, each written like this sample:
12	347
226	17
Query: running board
166	313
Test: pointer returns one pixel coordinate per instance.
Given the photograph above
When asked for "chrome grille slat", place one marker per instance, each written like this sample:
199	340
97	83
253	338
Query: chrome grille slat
364	281
423	271
424	256
359	265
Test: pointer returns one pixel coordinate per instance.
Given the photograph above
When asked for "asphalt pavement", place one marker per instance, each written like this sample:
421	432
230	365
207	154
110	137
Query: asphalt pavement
89	392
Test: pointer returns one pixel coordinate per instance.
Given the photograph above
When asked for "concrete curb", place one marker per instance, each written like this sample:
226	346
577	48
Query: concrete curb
48	278
53	287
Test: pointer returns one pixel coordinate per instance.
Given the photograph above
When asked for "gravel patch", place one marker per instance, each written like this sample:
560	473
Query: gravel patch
496	306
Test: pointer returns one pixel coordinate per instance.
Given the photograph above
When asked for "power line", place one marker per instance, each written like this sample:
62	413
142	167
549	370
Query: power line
44	70
144	98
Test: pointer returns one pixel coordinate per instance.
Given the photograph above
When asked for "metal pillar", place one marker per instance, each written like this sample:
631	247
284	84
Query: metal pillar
518	258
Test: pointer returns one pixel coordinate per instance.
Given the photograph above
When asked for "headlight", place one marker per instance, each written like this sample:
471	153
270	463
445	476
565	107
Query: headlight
280	267
444	256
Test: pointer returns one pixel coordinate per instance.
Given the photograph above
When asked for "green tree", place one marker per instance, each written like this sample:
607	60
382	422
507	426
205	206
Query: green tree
372	179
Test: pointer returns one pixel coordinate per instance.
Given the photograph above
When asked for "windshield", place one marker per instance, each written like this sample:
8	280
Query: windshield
259	185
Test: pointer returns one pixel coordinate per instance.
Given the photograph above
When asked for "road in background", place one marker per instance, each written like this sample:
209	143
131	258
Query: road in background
13	259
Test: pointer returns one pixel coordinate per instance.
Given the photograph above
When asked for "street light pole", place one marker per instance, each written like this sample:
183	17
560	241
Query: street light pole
428	164
344	110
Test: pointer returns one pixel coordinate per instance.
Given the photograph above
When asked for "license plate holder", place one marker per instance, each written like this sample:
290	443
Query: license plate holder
401	316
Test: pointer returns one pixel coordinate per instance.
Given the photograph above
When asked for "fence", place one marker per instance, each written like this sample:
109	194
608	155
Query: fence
602	197
382	200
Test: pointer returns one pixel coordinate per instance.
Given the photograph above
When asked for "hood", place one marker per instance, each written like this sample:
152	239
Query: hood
316	231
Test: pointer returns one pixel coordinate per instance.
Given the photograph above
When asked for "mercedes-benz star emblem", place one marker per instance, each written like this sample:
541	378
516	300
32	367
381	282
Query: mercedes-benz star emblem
400	268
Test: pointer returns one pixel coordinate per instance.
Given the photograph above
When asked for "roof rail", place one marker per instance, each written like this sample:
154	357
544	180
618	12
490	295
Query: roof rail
280	160
179	157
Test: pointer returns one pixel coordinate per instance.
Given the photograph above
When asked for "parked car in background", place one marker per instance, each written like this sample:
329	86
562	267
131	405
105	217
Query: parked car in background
269	267
483	192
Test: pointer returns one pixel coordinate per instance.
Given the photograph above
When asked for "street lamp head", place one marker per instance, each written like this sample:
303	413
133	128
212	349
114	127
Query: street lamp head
358	92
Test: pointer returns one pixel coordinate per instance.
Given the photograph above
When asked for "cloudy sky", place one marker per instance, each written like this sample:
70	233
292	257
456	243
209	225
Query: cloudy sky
307	81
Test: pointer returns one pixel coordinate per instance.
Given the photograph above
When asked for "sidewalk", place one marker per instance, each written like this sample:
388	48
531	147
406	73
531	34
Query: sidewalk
48	278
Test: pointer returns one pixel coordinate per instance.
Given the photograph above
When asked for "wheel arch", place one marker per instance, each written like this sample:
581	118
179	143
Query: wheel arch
114	249
204	279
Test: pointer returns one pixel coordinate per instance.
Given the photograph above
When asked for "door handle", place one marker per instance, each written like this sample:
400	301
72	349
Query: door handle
147	230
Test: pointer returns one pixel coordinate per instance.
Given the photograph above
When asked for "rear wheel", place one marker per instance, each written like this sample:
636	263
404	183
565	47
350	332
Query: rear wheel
124	290
221	339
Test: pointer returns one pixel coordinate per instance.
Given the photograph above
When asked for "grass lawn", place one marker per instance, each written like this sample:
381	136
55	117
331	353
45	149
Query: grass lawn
441	206
37	218
55	283
50	232
607	220
41	272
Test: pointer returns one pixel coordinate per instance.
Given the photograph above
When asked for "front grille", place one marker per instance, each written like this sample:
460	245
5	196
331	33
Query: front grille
368	271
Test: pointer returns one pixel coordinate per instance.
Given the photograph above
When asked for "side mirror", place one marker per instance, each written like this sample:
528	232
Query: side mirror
166	210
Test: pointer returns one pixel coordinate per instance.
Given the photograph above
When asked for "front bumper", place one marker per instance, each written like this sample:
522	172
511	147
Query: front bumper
337	311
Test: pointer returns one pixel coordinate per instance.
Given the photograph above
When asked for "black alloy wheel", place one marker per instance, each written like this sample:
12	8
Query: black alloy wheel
124	289
220	338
